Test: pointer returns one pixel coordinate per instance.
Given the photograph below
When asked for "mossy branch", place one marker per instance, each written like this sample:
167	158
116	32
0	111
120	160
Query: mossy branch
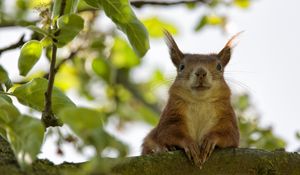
226	162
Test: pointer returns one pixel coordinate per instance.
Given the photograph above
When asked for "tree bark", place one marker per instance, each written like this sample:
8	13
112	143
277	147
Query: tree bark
240	161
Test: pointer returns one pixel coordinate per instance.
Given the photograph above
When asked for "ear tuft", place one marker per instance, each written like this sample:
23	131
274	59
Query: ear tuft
175	53
225	53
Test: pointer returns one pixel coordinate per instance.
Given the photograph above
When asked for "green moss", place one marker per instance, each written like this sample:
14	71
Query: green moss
223	161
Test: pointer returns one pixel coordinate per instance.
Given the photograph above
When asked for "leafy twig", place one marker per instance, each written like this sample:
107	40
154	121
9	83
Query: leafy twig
47	116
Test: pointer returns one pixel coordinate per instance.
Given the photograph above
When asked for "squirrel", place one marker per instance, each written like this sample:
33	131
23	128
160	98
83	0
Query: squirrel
198	115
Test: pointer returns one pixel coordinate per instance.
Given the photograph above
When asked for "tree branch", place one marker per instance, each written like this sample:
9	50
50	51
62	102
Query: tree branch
223	161
14	46
140	3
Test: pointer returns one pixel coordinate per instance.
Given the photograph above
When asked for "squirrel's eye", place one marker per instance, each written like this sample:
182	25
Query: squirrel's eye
219	67
181	67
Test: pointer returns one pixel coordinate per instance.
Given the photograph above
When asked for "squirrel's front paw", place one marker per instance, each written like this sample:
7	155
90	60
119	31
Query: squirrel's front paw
192	151
206	148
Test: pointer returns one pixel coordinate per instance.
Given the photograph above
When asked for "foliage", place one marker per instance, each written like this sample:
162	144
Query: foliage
120	12
32	94
252	134
99	68
30	54
68	26
25	142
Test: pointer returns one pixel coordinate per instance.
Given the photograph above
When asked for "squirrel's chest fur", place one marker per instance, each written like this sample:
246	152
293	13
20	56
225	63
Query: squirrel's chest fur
200	119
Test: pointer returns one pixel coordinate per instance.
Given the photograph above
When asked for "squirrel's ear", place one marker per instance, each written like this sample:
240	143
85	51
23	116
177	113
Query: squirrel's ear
175	53
225	53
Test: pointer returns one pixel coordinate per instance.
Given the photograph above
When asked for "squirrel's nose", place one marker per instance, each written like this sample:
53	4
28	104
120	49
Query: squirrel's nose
201	73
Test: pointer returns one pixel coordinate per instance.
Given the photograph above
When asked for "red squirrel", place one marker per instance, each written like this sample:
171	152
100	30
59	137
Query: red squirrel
198	116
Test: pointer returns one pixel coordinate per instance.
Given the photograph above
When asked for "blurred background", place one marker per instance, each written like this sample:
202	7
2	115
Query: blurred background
99	68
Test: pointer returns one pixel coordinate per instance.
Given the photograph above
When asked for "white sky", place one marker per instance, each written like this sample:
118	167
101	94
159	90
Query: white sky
265	62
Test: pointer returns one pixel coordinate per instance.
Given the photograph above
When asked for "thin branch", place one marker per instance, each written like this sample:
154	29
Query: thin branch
140	3
47	116
14	46
5	24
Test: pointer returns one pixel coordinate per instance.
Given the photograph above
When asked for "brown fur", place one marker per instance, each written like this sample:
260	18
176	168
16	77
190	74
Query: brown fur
198	115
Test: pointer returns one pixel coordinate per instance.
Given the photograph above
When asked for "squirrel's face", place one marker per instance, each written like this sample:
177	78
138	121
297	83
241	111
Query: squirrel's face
198	73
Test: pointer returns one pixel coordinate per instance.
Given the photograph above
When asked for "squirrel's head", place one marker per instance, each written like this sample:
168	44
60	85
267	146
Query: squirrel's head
199	75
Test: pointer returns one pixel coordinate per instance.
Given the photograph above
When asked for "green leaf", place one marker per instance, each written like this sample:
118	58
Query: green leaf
155	27
215	20
32	94
82	5
38	30
6	98
39	3
69	26
4	79
202	22
3	75
81	118
8	112
30	54
46	42
26	136
212	20
70	7
101	68
56	9
242	3
122	55
120	12
24	133
88	125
